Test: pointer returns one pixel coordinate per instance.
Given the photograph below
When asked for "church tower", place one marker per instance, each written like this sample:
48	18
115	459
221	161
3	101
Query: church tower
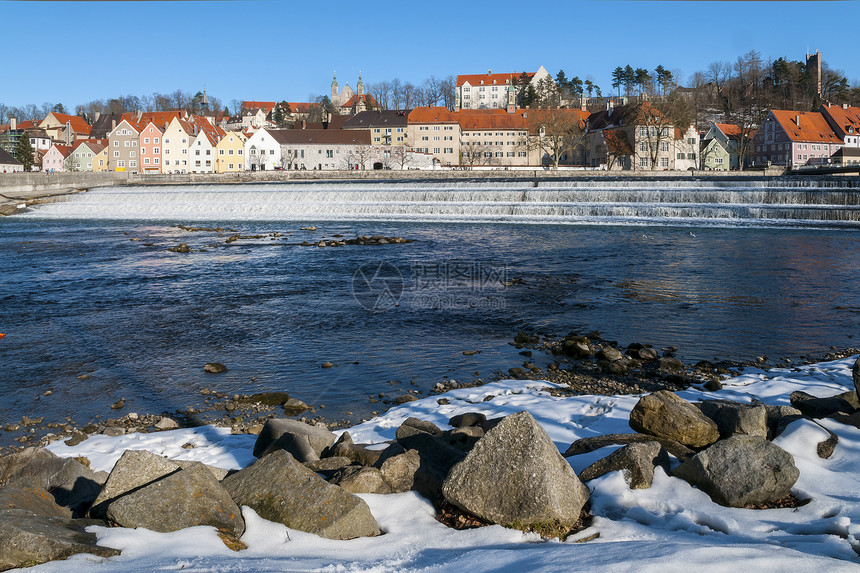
334	89
360	86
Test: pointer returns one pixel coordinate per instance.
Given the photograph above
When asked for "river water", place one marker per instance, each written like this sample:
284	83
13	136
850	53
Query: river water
96	308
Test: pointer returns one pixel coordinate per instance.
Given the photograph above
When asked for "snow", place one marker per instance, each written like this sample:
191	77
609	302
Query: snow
671	526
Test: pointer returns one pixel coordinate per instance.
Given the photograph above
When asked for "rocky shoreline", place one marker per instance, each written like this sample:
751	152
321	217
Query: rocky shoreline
505	471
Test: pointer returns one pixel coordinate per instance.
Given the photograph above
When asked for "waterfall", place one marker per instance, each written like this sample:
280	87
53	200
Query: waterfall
761	202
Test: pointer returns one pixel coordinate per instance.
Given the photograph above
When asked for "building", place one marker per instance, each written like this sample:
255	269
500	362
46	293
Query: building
844	120
490	137
494	91
84	151
150	147
9	164
100	160
65	128
54	160
793	139
350	102
202	153
230	153
720	147
425	124
176	140
638	136
311	149
124	150
389	127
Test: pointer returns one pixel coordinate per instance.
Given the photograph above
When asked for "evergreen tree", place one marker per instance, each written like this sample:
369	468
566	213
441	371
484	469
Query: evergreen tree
618	79
24	152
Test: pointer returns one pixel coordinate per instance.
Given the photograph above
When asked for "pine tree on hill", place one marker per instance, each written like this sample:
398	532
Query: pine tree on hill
24	152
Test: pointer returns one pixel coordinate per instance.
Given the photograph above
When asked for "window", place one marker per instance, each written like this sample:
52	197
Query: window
116	143
221	151
146	140
718	160
435	150
143	151
643	162
132	154
126	143
155	141
643	146
664	162
155	150
664	146
329	153
116	153
132	163
120	163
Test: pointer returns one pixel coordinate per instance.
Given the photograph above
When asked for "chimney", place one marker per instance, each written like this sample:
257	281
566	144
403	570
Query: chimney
139	115
98	115
112	124
797	120
13	123
844	106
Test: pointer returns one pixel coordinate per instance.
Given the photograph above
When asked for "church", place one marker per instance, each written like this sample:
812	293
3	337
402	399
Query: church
350	102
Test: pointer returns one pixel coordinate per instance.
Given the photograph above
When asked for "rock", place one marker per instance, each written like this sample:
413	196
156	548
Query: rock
327	466
134	469
467	419
851	398
741	470
855	374
360	479
319	437
713	385
217	473
326	365
186	498
586	445
436	458
26	495
517	373
576	347
464	438
282	490
215	368
266	398
825	449
814	407
166	423
672	365
665	415
358	453
515	475
428	427
775	417
71	483
294	407
636	460
27	539
180	248
609	354
736	418
405	398
113	431
399	471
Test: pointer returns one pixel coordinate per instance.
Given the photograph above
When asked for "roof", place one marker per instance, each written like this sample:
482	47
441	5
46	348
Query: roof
319	136
729	129
7	159
366	98
94	145
490	119
65	150
805	126
300	106
159	118
623	115
264	105
79	124
489	79
368	119
426	114
846	119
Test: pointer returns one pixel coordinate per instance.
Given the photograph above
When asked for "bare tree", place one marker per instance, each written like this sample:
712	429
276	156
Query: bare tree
382	92
448	87
358	155
656	127
432	91
474	153
400	156
556	132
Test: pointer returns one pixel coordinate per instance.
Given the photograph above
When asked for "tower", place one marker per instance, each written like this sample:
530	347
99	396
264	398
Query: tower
334	89
813	67
360	85
512	99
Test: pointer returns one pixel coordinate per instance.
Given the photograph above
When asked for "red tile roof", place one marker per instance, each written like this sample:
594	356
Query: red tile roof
65	150
844	118
805	126
300	106
264	105
430	115
367	98
491	79
729	129
490	119
79	124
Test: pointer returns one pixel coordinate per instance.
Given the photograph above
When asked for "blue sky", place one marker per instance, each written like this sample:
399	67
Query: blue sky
274	50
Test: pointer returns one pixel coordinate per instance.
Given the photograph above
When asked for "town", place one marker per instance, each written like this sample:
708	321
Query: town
511	120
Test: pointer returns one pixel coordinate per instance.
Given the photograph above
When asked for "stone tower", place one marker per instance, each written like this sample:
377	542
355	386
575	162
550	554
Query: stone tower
360	85
334	89
813	66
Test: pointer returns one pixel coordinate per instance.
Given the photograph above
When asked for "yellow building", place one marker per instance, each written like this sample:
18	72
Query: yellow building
100	161
230	153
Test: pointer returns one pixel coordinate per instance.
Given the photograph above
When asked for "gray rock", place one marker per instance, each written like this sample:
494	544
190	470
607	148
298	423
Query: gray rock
360	479
437	457
422	425
464	439
851	398
166	423
25	494
217	473
327	466
775	415
820	407
736	418
282	490
636	460
72	484
399	471
28	539
665	415
358	453
134	469
740	471
318	437
586	445
294	407
186	498
299	446
214	367
515	474
609	354
855	374
576	347
467	419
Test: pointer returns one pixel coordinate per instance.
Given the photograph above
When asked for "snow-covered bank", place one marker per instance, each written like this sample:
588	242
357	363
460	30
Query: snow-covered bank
671	526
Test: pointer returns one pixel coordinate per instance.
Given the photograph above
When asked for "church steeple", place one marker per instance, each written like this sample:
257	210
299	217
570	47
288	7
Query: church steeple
360	86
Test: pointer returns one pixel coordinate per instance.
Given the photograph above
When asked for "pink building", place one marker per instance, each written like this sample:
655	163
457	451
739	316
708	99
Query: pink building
55	158
150	149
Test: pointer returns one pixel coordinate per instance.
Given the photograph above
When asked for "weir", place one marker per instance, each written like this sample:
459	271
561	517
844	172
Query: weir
762	202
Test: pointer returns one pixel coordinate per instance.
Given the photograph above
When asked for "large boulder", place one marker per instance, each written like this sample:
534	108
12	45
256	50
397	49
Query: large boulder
736	418
516	475
34	529
436	458
635	460
586	445
820	407
182	499
282	490
318	437
399	470
741	470
134	469
665	415
72	484
360	479
358	453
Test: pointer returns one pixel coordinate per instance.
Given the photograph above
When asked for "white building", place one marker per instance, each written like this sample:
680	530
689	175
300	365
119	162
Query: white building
493	91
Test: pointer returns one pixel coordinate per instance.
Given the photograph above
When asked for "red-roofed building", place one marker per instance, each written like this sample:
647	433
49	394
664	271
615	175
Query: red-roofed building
64	127
123	152
845	121
794	138
266	106
54	160
434	131
83	154
493	91
494	137
150	147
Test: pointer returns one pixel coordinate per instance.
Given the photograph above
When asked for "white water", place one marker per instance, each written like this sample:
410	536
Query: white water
716	202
